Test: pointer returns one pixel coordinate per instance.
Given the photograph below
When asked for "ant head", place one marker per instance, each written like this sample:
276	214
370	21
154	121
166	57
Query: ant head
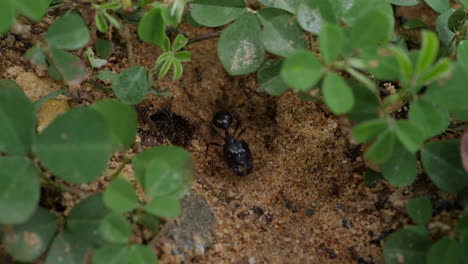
222	119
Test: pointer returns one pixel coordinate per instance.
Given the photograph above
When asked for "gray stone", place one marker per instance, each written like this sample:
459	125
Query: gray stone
192	234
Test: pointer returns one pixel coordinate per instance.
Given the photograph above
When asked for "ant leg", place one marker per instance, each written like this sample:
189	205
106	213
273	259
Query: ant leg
241	132
237	127
216	131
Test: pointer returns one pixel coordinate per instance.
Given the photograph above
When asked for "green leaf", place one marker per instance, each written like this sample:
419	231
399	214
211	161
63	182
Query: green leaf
269	78
68	32
116	254
406	67
352	10
178	160
382	64
402	168
420	210
371	178
7	15
442	162
405	2
85	218
367	130
165	67
337	95
381	150
162	59
101	22
288	5
164	181
140	254
462	226
433	120
410	134
456	20
19	191
450	94
166	46
464	245
440	6
240	46
132	18
28	241
151	27
17	120
167	207
416	23
365	106
95	62
406	245
168	19
183	56
103	48
445	250
177	70
179	42
461	115
464	3
281	34
114	22
302	71
131	85
428	52
112	6
192	21
441	69
120	196
67	248
331	42
462	54
54	73
213	13
311	14
106	75
115	228
74	151
36	55
70	67
148	220
370	29
122	121
444	33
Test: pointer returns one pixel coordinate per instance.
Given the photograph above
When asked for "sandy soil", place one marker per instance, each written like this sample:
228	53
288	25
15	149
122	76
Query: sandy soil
304	202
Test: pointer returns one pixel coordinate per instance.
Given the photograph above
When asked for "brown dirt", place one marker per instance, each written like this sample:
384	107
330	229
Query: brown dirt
304	202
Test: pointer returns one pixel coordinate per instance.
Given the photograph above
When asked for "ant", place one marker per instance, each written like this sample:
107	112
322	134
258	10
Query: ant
236	152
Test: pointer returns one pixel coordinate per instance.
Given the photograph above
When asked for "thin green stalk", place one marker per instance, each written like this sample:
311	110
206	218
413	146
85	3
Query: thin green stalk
362	79
125	161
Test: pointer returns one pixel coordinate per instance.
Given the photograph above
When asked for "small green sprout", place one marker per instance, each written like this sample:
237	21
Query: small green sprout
172	57
102	17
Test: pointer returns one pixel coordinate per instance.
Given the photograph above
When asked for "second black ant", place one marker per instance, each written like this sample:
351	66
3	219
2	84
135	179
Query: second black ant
236	152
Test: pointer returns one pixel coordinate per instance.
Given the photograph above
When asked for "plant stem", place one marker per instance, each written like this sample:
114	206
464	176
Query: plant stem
59	187
126	36
204	37
125	161
361	78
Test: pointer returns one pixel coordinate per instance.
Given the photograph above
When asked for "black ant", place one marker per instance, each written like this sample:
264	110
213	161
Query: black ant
236	152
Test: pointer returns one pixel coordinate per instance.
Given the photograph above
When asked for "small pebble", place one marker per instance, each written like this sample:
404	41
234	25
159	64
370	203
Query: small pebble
310	212
347	223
